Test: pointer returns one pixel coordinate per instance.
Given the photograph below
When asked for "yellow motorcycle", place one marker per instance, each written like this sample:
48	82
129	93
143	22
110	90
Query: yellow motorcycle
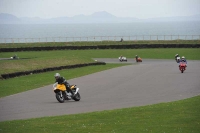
62	94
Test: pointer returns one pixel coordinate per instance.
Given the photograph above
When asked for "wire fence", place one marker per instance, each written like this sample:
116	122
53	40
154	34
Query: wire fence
100	38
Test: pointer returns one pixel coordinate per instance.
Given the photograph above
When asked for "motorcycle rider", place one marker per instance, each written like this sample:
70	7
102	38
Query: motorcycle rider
136	57
176	56
15	56
62	80
183	59
120	58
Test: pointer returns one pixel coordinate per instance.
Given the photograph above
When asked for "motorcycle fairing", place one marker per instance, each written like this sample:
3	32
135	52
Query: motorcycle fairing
182	64
61	87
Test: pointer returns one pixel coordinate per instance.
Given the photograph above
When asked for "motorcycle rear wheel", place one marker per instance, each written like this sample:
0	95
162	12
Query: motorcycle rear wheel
60	98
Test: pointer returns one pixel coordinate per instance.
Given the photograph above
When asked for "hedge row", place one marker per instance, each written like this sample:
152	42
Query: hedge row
17	74
127	46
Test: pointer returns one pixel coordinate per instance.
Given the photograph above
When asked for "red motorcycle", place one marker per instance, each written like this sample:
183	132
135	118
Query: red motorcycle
138	59
182	67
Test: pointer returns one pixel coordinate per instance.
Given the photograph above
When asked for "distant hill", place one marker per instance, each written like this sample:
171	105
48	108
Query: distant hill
97	17
8	18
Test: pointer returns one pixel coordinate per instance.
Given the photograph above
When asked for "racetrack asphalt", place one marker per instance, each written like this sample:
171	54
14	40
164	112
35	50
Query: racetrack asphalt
149	82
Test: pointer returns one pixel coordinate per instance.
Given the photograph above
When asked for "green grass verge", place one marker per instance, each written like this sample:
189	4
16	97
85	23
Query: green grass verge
95	43
180	116
44	59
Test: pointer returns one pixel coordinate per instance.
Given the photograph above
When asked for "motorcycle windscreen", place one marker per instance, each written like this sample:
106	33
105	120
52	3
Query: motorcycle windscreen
61	87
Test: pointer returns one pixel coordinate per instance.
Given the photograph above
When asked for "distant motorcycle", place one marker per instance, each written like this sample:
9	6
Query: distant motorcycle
178	59
122	59
138	59
62	94
182	67
14	57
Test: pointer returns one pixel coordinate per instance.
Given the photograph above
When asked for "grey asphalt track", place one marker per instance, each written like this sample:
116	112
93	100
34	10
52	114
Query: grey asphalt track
138	84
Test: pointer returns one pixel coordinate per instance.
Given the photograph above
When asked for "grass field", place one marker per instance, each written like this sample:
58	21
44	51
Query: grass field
180	116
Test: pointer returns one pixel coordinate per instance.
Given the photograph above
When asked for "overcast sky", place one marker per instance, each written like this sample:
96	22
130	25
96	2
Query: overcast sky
120	8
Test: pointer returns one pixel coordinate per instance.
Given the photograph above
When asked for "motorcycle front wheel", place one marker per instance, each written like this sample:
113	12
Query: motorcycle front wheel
77	97
60	97
182	71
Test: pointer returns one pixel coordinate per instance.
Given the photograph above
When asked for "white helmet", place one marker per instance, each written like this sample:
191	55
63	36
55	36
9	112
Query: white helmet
182	57
57	75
